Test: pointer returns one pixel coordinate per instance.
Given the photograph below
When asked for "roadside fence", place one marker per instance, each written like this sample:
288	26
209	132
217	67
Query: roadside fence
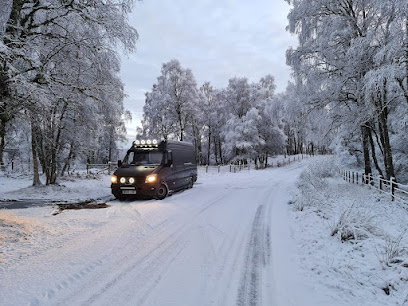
239	166
100	168
396	190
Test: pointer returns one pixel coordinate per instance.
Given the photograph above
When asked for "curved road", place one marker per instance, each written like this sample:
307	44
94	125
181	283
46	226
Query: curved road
224	242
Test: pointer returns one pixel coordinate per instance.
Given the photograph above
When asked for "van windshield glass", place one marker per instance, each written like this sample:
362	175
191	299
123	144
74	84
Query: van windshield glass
143	158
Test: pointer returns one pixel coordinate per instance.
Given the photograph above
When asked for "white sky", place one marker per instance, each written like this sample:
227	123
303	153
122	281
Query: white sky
216	39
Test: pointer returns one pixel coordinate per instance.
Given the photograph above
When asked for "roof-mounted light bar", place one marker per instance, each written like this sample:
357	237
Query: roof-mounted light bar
145	143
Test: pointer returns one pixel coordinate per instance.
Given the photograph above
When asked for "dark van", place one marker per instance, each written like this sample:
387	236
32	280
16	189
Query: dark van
155	169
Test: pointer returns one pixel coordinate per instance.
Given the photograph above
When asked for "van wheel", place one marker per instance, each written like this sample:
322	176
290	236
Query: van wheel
191	183
161	192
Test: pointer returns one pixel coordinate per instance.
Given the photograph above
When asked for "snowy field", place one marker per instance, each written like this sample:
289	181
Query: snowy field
248	238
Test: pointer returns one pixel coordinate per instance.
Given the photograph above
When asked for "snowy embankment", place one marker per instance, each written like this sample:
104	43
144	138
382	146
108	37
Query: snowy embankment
68	189
352	240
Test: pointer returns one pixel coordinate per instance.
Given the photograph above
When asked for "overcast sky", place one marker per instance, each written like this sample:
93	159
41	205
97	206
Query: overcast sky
216	39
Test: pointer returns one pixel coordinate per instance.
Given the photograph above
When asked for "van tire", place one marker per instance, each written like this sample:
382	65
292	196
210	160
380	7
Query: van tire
162	192
191	183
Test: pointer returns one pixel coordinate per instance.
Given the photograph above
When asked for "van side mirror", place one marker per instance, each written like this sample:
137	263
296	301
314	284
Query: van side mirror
168	158
119	163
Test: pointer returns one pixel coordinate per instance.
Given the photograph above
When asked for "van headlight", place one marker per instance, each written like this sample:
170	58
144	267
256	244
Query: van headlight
114	179
122	180
131	180
151	178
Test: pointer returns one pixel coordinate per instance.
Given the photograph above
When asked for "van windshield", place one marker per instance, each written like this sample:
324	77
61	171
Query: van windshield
143	158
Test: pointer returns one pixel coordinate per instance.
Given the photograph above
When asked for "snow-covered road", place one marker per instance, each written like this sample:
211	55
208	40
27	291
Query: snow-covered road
224	242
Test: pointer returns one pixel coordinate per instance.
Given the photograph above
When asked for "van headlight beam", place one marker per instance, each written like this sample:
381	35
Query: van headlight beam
151	178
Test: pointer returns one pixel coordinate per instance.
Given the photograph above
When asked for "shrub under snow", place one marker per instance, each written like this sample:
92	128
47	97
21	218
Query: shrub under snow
312	183
354	224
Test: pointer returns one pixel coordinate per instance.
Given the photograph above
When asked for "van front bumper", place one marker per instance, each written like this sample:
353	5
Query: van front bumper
121	190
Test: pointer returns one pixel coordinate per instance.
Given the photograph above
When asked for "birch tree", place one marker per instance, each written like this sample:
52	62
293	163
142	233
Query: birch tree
62	64
339	67
168	109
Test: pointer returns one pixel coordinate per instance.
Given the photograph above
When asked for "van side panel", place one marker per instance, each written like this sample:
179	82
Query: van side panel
184	164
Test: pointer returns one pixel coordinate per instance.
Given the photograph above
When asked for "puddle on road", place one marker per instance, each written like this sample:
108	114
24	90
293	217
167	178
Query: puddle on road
26	203
60	205
88	204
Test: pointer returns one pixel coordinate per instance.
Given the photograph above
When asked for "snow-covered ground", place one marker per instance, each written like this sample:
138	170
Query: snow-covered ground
246	238
352	241
68	189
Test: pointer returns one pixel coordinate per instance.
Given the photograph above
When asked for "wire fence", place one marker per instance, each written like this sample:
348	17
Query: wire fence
397	191
240	166
109	167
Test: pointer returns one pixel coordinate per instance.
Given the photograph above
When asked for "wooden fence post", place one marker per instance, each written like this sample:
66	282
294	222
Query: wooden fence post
380	181
353	177
357	178
206	169
218	168
87	168
392	187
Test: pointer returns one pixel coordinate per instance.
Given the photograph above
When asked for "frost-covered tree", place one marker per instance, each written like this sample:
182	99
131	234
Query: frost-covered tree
240	122
348	65
58	60
169	107
253	129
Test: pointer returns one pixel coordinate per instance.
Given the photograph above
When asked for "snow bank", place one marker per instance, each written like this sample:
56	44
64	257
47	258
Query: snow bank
69	188
352	240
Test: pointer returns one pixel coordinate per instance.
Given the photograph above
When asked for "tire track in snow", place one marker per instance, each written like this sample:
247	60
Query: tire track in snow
168	247
256	258
165	253
128	261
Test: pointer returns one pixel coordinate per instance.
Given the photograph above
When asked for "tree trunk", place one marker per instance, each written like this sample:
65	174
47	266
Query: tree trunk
209	145
68	160
220	150
55	145
2	143
215	150
381	104
385	139
373	154
365	132
36	176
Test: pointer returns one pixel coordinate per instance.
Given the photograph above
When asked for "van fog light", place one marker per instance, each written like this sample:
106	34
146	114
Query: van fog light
122	180
114	179
151	178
